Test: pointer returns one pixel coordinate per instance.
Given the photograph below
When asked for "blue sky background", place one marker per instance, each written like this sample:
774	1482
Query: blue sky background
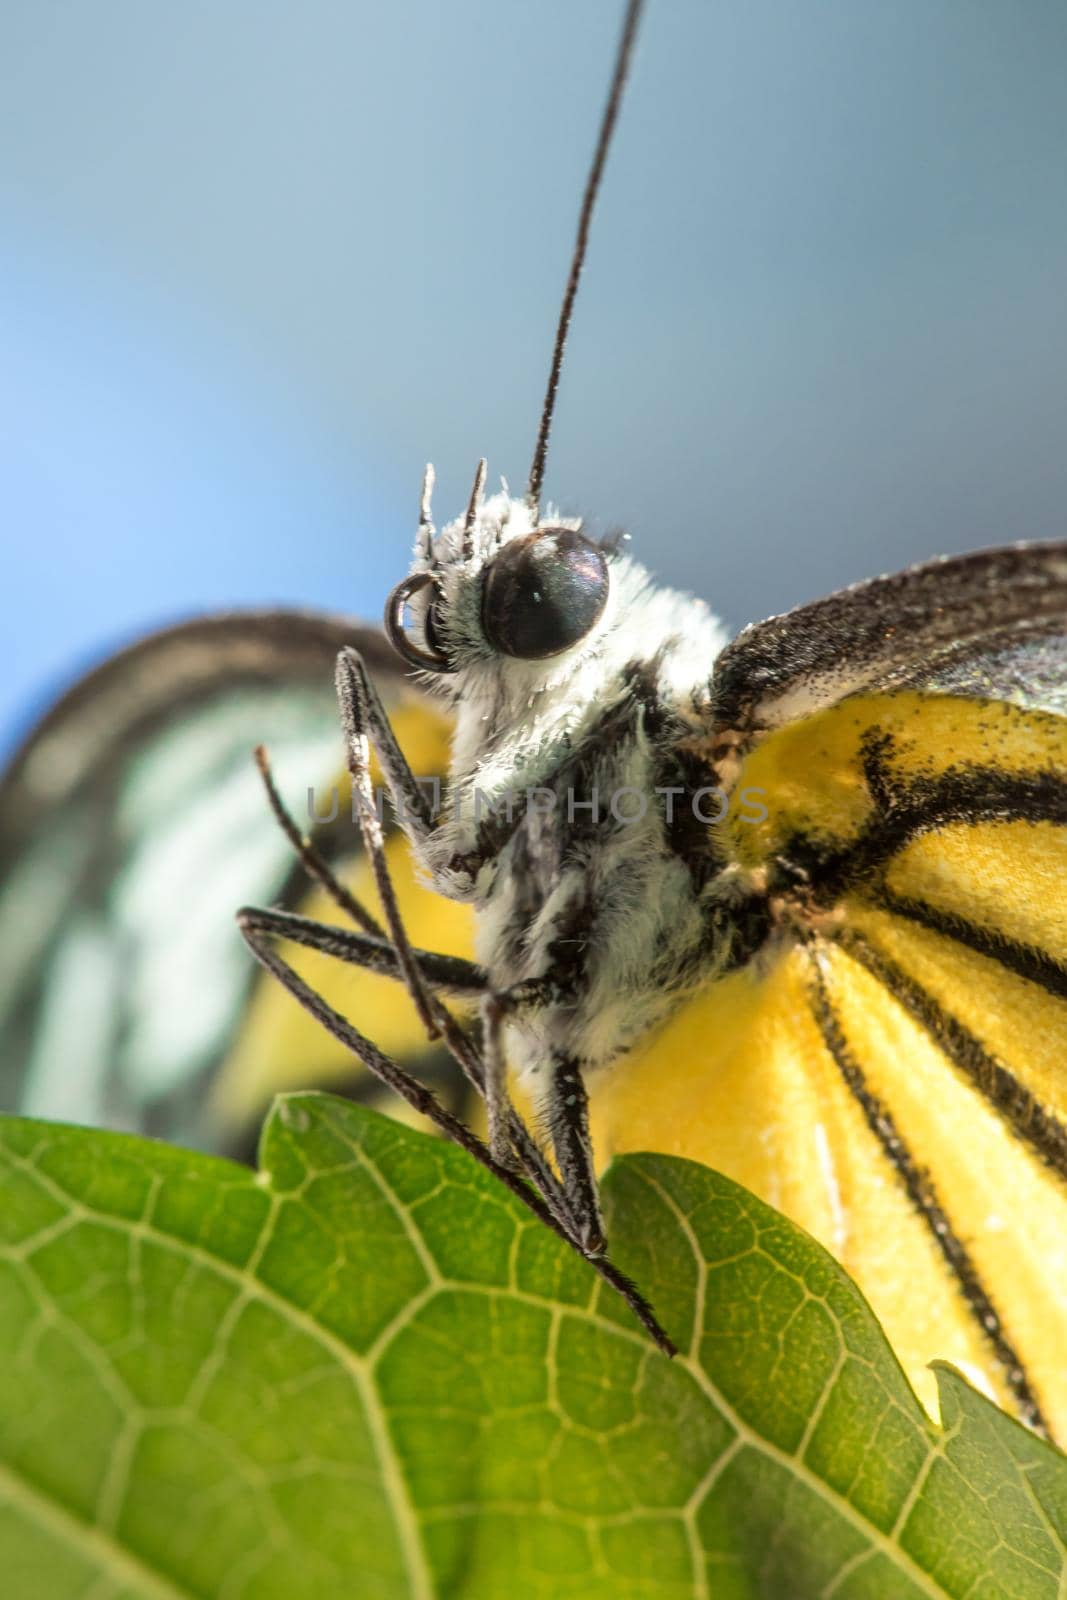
259	261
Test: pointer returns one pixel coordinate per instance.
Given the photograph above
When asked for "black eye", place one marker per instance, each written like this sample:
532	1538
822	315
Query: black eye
543	593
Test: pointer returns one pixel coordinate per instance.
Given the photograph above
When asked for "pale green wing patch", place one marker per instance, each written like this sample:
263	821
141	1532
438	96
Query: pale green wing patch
367	1371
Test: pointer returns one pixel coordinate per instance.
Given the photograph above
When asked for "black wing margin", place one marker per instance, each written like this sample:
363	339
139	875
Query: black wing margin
989	625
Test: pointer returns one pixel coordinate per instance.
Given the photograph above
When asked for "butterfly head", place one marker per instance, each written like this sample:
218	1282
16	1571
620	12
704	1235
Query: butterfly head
498	586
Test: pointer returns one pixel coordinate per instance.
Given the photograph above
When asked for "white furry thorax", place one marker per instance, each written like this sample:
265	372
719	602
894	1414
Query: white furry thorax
515	719
520	722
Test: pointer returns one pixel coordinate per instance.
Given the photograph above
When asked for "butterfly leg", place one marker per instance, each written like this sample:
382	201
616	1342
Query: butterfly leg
364	717
536	1199
567	1106
497	1103
377	953
568	1121
527	1172
497	1007
439	972
513	1144
374	953
388	1071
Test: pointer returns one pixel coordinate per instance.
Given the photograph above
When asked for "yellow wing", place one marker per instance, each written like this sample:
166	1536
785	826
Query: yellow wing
890	1071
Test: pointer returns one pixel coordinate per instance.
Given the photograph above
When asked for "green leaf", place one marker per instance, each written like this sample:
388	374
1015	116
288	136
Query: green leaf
367	1372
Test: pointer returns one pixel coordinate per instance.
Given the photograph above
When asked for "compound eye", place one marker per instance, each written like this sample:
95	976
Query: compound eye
432	658
543	593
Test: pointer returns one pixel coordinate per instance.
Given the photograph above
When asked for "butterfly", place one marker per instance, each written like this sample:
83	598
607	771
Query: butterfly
789	905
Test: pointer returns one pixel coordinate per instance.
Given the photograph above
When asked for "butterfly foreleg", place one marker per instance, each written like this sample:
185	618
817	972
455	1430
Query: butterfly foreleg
570	1199
364	717
543	1198
568	1122
569	1207
498	1005
442	974
257	934
567	1103
372	952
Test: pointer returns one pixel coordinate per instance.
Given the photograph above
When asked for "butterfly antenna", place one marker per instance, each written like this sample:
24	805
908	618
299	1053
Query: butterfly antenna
592	185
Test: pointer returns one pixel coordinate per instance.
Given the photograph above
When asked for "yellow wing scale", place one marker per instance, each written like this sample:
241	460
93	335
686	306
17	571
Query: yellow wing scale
1007	877
741	1077
1017	1022
1005	1205
812	777
741	1080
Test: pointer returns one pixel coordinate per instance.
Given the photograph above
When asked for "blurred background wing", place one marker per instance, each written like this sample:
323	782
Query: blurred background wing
133	823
